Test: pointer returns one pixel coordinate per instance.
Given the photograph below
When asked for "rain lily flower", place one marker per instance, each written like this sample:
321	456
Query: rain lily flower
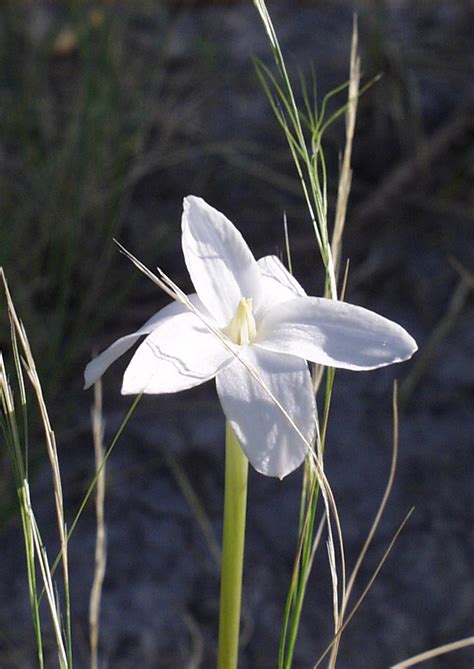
269	323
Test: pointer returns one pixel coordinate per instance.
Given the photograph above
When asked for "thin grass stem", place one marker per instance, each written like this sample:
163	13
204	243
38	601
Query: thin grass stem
29	365
375	524
435	652
101	539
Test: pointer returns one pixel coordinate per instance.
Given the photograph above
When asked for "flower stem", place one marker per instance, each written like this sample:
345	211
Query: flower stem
235	503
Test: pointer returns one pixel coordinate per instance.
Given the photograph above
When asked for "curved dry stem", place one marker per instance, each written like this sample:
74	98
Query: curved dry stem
435	652
375	524
366	589
101	539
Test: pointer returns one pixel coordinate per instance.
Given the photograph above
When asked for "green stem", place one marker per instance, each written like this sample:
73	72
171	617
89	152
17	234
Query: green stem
235	503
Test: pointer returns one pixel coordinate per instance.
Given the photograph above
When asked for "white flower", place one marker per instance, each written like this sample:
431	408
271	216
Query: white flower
272	325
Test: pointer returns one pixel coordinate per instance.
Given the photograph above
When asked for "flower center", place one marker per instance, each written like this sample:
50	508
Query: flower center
241	328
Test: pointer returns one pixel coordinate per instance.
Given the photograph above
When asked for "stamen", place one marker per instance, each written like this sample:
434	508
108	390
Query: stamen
242	328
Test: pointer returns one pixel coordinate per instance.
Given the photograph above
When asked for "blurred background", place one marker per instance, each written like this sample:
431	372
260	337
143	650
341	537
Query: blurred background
110	113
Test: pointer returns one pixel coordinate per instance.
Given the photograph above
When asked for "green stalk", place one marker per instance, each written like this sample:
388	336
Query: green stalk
235	503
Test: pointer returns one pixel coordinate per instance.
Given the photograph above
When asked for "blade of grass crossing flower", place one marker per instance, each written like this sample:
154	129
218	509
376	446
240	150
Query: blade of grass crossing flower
313	456
178	294
235	503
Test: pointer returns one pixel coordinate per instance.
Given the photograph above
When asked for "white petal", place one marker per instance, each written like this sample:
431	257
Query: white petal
278	284
271	444
334	333
221	265
180	353
102	362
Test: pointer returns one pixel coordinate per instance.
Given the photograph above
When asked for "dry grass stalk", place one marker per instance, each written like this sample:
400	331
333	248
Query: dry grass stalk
370	536
101	539
366	589
435	652
50	437
345	178
45	570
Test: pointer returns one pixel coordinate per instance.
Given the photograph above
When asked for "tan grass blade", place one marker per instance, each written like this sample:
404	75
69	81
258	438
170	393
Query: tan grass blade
47	578
101	539
435	652
345	178
50	438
